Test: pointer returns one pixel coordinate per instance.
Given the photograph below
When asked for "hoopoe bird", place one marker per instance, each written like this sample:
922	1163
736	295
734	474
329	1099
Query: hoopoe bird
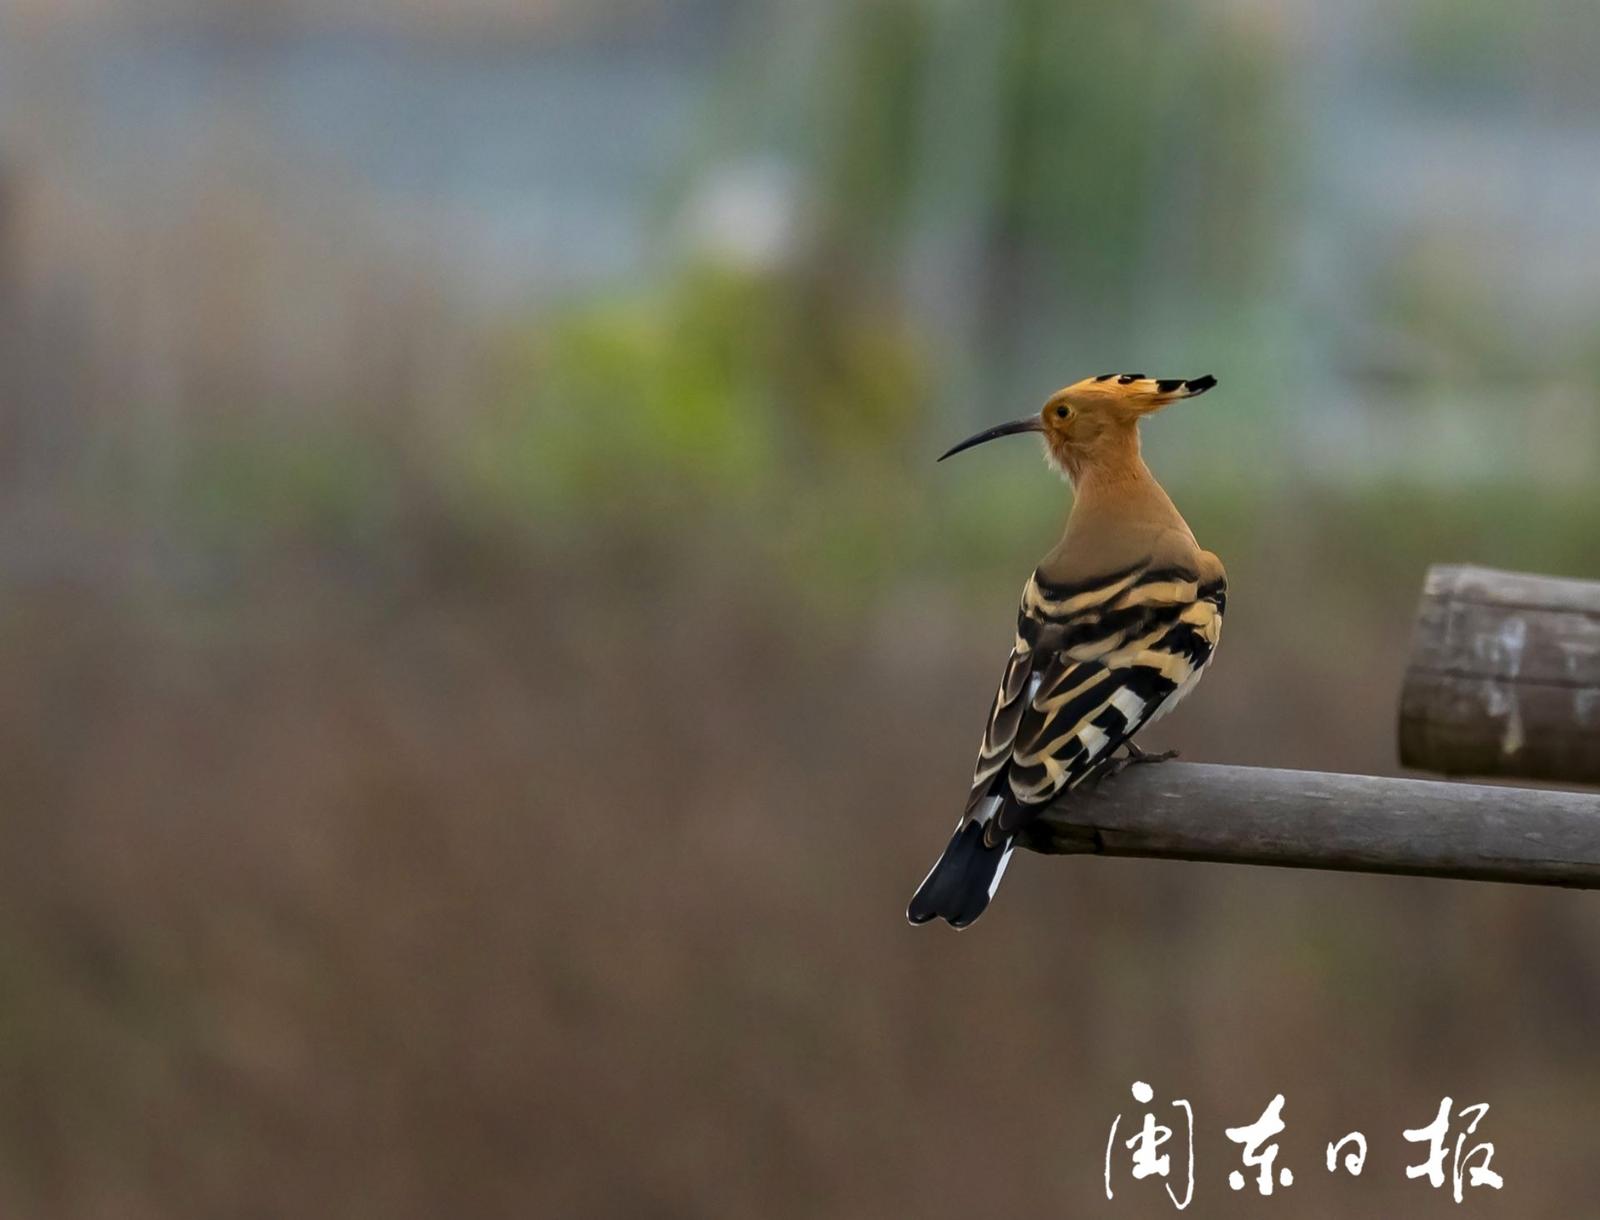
1117	624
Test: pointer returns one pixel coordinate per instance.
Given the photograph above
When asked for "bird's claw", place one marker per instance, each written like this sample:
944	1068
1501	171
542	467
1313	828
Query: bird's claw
1136	755
1116	766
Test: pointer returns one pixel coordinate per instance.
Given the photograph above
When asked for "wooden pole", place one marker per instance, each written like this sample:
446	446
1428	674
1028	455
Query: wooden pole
1312	819
1504	677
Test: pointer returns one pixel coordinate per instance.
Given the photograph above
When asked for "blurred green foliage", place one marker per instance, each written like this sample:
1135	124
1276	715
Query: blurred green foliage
250	485
1467	45
1109	115
1126	194
723	387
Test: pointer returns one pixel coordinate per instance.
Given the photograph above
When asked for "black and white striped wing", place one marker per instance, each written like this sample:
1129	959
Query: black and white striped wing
1092	665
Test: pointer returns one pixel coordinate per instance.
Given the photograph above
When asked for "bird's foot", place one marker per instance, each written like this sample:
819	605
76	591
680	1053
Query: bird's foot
1116	766
1136	755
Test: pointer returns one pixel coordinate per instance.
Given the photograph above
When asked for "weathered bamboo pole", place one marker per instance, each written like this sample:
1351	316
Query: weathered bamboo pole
1312	819
1504	677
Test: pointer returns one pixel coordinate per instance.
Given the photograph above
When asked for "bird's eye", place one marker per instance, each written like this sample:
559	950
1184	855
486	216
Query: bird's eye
1061	413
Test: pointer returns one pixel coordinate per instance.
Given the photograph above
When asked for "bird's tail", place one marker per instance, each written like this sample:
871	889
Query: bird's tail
964	879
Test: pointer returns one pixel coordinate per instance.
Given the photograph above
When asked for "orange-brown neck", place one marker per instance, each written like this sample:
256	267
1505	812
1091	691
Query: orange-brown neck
1120	514
1107	459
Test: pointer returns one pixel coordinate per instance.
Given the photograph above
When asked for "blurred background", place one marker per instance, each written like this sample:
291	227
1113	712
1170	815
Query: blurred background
488	653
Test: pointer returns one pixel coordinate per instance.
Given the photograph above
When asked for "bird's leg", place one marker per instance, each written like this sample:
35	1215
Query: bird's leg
1136	755
1115	766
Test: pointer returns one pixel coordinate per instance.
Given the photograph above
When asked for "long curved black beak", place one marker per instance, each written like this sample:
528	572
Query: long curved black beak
1031	424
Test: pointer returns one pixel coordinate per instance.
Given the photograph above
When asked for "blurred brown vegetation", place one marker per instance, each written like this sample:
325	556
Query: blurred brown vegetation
570	884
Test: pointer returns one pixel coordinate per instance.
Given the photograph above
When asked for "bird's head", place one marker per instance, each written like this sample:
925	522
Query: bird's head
1093	418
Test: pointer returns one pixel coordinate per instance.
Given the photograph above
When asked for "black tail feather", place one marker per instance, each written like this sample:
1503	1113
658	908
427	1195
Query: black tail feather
961	883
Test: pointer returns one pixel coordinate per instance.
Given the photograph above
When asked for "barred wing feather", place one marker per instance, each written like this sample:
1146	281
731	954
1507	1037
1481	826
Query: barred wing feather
1092	665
